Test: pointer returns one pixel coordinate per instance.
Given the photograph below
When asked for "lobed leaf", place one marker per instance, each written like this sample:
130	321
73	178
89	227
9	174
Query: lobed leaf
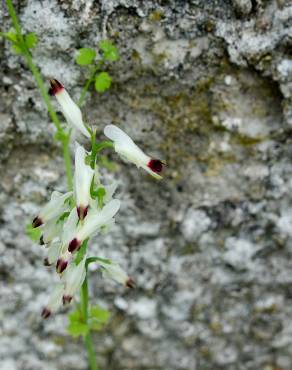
85	56
102	82
33	233
76	326
98	317
109	50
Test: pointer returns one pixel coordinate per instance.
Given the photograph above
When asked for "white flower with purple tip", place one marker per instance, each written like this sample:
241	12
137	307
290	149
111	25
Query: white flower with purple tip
128	150
55	301
53	209
82	181
114	271
94	220
73	279
69	108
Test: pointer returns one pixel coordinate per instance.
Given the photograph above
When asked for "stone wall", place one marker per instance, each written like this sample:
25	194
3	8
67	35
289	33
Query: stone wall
206	85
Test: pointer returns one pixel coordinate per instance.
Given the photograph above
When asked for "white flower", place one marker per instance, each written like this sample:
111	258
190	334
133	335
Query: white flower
69	231
128	150
94	220
70	109
51	230
73	279
55	301
114	271
53	252
109	192
82	181
53	209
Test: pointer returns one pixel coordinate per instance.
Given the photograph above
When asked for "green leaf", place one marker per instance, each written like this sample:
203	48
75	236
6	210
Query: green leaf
33	233
98	317
110	51
30	40
16	49
76	326
102	82
12	36
85	56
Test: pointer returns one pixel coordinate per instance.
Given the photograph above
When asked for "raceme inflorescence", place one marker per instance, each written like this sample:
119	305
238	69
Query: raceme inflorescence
68	221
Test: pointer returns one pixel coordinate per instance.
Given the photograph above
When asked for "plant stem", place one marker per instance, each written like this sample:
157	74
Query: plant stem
87	85
87	339
33	67
89	82
63	137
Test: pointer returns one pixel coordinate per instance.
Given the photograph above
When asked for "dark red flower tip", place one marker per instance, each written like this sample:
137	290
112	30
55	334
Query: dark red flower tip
56	87
74	245
130	283
37	222
67	299
46	313
156	165
46	262
61	265
82	212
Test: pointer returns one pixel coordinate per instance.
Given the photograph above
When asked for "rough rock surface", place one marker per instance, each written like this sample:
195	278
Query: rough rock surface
207	85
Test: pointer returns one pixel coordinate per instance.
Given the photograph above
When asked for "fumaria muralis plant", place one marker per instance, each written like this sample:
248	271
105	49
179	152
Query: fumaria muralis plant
68	221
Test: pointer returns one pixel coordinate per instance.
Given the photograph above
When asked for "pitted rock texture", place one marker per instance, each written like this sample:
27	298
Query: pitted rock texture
207	86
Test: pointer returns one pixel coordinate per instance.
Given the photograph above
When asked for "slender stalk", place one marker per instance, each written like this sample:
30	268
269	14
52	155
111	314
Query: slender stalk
63	137
89	82
33	67
87	339
86	87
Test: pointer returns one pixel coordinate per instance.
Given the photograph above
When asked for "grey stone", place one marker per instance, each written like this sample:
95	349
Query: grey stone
207	86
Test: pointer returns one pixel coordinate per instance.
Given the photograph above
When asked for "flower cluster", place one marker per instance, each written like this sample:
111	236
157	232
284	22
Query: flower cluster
69	220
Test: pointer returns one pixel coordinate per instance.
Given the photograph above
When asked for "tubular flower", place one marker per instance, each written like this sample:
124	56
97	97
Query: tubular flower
70	109
73	279
114	271
128	150
69	230
82	181
53	252
55	301
54	209
51	230
93	222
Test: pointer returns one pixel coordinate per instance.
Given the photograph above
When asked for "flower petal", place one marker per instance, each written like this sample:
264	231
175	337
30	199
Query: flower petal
55	207
70	109
82	181
95	219
129	151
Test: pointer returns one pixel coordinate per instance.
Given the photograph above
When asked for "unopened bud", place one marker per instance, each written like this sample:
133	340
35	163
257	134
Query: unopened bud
37	222
74	245
61	265
46	313
130	283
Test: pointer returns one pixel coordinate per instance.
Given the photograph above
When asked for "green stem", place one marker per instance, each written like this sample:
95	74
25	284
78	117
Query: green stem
89	82
63	137
87	339
33	67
